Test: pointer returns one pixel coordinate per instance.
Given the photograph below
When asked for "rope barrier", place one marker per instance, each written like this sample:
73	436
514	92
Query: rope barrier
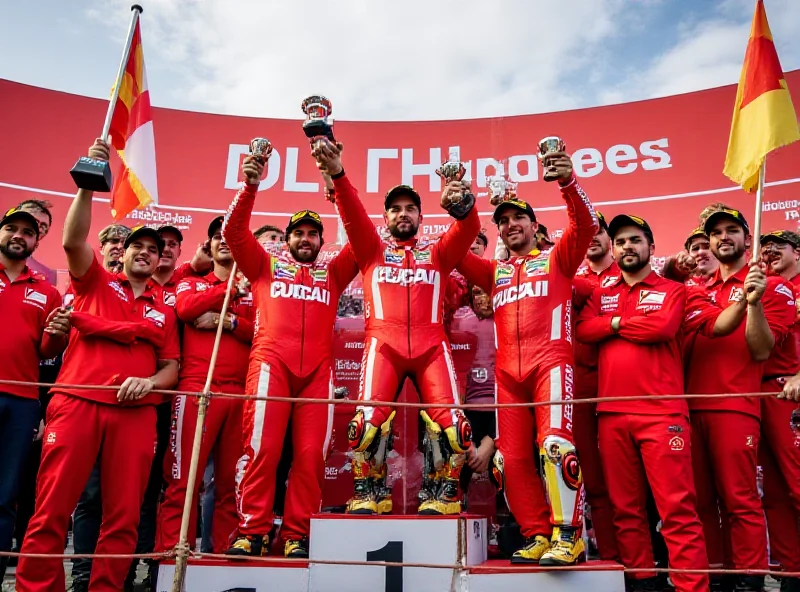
402	404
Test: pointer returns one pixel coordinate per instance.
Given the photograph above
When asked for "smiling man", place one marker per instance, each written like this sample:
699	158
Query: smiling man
124	337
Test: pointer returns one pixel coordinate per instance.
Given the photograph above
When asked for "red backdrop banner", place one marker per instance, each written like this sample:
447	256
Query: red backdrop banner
660	159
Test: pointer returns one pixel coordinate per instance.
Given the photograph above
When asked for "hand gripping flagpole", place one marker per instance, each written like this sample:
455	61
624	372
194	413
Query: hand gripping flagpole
183	547
762	173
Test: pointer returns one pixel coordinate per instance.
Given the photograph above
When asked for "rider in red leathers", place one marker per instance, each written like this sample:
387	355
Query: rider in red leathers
296	299
404	289
532	298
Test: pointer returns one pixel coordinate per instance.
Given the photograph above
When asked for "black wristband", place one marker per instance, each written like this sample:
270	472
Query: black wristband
338	175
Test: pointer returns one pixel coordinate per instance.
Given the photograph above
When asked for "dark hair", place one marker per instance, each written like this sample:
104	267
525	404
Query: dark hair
267	228
38	204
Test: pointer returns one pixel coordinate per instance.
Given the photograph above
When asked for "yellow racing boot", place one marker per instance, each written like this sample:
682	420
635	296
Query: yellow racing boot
566	547
532	552
296	549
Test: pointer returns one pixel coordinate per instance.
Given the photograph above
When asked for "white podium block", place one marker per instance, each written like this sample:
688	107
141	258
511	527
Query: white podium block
441	540
605	576
208	575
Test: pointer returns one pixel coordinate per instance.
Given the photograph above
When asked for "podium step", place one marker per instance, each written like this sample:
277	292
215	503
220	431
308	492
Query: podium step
498	574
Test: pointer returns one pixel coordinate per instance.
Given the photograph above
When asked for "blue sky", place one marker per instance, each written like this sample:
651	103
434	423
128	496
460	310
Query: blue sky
390	60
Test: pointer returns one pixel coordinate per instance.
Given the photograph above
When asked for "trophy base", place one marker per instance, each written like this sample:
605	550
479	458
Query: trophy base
315	128
92	175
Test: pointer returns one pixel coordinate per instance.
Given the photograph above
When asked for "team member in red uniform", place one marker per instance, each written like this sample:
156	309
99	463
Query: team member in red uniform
125	337
636	320
779	457
404	281
28	304
725	431
532	298
296	300
599	269
169	274
199	304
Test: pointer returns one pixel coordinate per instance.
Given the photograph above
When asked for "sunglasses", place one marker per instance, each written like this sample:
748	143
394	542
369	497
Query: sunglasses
306	214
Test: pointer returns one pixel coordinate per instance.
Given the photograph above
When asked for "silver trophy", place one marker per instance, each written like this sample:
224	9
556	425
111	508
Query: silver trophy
453	169
318	122
500	189
548	146
261	148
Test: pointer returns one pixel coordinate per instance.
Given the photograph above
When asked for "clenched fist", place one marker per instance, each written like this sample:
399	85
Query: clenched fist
557	166
252	169
755	284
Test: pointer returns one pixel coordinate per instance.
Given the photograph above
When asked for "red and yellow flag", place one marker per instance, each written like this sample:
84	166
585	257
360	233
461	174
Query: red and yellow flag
763	116
135	185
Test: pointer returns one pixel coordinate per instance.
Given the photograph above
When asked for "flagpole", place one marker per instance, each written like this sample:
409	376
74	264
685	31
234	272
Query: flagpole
137	10
762	173
183	548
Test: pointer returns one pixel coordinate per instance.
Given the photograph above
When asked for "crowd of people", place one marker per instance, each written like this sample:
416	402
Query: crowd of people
583	317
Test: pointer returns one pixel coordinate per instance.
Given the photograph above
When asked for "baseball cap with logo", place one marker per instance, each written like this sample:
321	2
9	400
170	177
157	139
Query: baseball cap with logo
17	214
781	236
401	191
173	229
602	220
304	217
697	232
142	231
627	220
215	225
735	215
517	204
113	231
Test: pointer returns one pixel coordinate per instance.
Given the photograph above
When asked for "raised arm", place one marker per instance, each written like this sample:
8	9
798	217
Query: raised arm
478	271
79	219
251	258
344	268
570	250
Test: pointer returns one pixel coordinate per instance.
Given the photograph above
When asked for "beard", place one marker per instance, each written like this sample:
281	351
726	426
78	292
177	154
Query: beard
731	257
633	266
303	257
597	254
402	235
16	254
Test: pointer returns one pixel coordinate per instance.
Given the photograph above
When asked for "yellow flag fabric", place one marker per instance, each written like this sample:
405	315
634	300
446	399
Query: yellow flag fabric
763	116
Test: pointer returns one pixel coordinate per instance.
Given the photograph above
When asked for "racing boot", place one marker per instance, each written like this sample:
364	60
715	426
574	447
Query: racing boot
296	549
383	494
448	498
566	547
253	545
532	552
363	500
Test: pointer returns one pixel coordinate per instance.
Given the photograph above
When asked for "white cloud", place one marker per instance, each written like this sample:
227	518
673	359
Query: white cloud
377	59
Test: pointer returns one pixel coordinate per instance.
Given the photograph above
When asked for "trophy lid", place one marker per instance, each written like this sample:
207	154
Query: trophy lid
317	106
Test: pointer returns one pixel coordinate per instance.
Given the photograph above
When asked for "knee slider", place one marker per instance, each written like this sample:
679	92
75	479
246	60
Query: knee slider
561	452
360	433
459	435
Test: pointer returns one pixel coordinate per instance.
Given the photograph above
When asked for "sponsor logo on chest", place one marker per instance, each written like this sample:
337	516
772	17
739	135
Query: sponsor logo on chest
736	295
538	266
650	300
155	316
394	256
609	281
118	290
609	303
422	256
516	293
35	298
169	299
281	270
2	286
406	277
300	292
503	274
319	275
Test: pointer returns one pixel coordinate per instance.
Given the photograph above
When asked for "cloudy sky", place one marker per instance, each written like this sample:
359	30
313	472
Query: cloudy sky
398	59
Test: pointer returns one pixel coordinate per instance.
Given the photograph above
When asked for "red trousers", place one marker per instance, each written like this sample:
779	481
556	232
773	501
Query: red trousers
78	433
638	450
779	457
724	460
383	370
222	436
520	433
585	433
265	426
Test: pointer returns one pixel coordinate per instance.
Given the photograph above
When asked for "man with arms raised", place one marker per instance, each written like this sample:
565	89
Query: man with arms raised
296	299
404	287
125	338
532	297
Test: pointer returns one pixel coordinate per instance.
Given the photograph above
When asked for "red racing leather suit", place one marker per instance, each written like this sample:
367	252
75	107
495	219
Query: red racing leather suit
532	298
296	307
404	290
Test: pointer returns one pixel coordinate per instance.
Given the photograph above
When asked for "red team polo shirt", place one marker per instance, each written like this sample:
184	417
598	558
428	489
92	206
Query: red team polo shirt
98	360
25	305
724	364
198	295
785	360
645	357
